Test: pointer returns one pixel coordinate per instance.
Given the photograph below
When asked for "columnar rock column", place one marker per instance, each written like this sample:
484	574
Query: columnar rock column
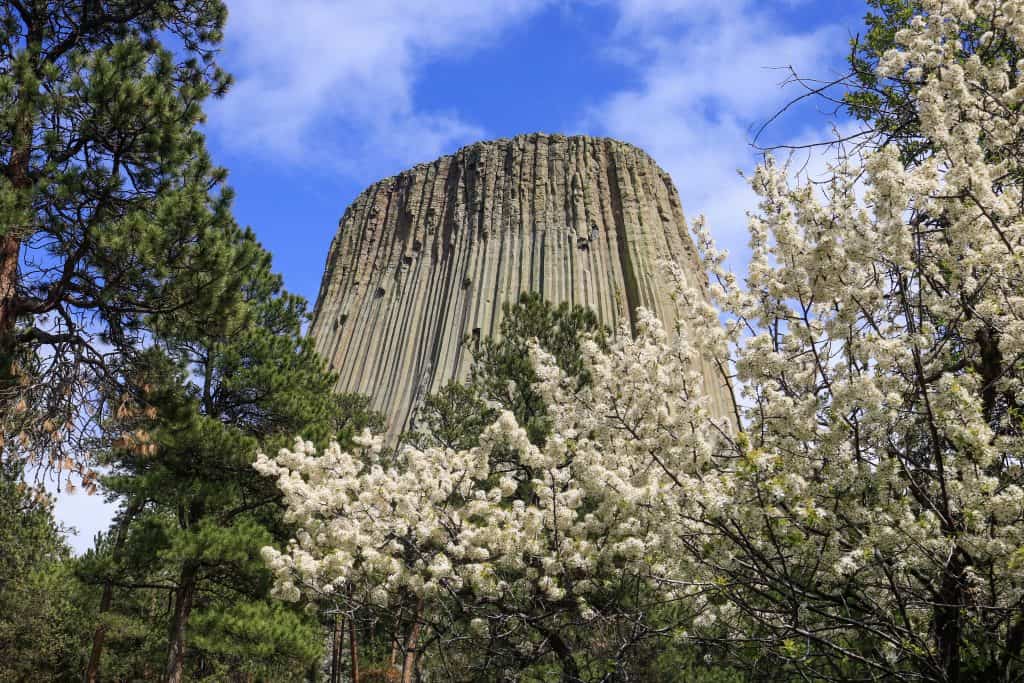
424	259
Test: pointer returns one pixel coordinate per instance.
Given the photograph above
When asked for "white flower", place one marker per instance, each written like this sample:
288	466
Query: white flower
873	349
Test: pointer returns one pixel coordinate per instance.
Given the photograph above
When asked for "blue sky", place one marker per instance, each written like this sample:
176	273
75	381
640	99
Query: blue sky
332	95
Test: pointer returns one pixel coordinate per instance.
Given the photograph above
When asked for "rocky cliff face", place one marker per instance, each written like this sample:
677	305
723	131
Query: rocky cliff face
425	259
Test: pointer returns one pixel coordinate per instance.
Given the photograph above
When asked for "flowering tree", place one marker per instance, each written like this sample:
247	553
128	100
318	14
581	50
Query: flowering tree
876	517
866	520
522	540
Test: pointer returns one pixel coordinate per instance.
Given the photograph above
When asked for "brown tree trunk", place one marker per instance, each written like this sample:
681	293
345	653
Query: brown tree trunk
183	597
99	636
353	650
10	247
395	645
10	251
18	174
411	654
337	635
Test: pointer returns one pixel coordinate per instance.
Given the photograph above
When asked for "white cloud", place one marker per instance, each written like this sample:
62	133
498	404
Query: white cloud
325	80
331	83
708	74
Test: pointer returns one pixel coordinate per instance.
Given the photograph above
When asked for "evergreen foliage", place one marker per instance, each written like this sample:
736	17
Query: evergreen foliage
502	376
862	521
43	610
554	518
888	104
112	214
220	390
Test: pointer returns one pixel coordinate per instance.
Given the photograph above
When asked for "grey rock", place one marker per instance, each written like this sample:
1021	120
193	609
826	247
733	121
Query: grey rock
426	258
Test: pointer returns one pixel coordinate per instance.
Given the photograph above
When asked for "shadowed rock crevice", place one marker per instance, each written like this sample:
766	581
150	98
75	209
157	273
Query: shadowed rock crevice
425	259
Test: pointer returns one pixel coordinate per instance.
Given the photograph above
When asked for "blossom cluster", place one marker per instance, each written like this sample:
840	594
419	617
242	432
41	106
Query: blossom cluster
508	520
865	499
877	346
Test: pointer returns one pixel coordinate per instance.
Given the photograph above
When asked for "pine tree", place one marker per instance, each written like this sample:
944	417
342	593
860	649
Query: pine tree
42	611
110	213
196	513
502	375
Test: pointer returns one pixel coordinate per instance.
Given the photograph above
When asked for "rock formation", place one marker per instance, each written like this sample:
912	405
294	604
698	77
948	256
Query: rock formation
424	259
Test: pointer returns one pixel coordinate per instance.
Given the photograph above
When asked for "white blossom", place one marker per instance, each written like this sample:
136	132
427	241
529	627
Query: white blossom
876	352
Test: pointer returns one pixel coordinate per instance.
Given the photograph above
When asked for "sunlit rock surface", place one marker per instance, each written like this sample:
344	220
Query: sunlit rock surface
424	259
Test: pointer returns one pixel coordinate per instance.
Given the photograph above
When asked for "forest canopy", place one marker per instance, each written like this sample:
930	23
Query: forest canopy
576	509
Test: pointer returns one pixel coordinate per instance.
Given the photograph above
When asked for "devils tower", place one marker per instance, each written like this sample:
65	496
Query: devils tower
423	260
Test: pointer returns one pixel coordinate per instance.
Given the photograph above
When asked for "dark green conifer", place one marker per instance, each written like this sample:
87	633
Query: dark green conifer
42	612
110	212
196	512
502	374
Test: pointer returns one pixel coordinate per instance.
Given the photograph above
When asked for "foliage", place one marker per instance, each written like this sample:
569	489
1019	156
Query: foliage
882	365
352	415
140	327
529	540
888	102
41	613
267	641
502	376
884	103
198	512
111	213
502	371
453	417
866	522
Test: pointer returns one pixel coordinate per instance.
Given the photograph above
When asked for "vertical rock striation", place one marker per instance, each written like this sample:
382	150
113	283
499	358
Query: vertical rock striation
425	259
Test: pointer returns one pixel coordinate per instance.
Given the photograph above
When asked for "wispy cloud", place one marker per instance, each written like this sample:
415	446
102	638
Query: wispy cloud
708	74
332	82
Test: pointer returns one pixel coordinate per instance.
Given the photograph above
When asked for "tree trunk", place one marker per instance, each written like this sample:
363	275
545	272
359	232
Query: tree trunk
99	636
92	670
353	649
10	247
411	654
17	172
395	644
183	597
336	638
10	251
570	671
949	618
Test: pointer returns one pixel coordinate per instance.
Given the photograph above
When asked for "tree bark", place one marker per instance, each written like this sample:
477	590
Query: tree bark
10	252
10	247
411	654
18	175
949	618
183	598
337	635
570	670
353	649
395	644
99	636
